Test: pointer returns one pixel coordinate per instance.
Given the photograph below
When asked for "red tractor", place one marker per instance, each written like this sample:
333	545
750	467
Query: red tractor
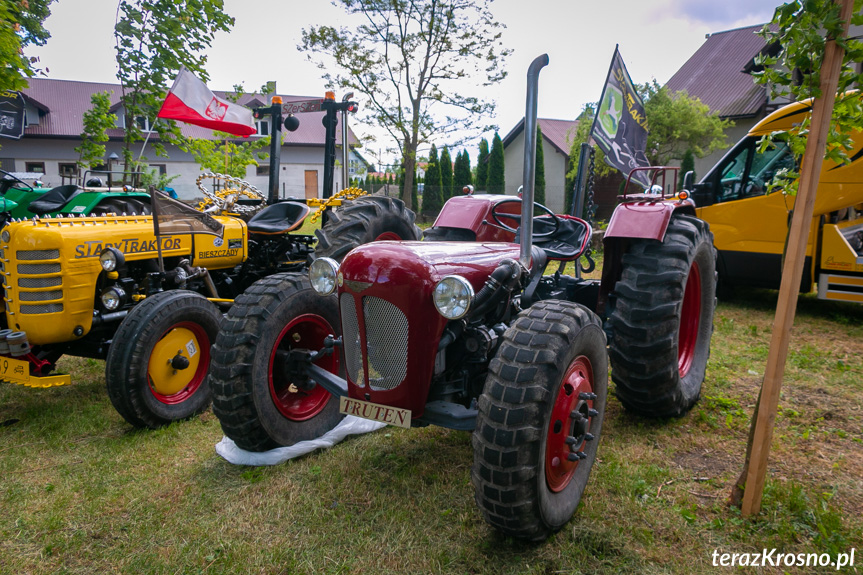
473	335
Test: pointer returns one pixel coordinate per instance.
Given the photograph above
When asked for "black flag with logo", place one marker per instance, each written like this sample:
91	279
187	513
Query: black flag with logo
11	114
620	125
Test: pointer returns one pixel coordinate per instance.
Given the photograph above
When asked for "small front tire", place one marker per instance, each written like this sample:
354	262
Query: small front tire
540	418
157	366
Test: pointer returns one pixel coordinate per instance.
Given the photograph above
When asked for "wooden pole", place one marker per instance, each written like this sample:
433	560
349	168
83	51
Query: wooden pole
792	271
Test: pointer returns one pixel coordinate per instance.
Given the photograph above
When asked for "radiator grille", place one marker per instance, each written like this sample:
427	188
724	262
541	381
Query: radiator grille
387	343
39	268
41	295
40	282
41	308
351	337
37	254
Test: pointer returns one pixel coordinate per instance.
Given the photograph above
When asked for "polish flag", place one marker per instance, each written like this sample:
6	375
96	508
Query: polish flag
189	100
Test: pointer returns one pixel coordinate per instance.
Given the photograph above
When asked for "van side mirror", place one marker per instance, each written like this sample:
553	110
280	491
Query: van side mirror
688	180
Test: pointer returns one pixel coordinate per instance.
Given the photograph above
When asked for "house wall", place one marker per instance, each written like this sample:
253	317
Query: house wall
555	171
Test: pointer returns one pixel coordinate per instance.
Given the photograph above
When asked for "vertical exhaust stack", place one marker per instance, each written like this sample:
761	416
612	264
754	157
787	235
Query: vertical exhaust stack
529	158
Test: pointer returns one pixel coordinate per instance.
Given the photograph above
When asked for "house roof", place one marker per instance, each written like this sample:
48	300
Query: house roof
558	133
717	73
62	104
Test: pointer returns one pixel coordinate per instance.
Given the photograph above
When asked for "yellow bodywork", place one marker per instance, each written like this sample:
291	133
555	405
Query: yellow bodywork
759	224
51	266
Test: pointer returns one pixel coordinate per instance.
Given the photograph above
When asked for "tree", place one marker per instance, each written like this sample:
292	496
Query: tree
154	39
461	172
406	58
539	176
482	165
20	26
446	191
496	183
679	123
687	165
97	121
800	28
432	194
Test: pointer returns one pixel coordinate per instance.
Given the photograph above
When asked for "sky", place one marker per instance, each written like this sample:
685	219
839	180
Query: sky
655	38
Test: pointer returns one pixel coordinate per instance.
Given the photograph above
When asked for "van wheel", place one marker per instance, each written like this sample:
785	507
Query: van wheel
157	365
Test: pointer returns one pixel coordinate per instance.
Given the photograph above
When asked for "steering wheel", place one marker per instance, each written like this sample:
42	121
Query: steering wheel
6	182
496	215
225	200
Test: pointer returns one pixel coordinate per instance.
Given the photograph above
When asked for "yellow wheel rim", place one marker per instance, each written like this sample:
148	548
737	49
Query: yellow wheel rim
164	378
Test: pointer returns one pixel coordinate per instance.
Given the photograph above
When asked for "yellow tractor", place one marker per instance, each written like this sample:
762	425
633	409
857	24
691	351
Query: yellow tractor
749	217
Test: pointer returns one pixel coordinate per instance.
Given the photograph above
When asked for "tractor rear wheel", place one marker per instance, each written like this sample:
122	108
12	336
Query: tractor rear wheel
540	417
662	319
156	370
366	219
258	405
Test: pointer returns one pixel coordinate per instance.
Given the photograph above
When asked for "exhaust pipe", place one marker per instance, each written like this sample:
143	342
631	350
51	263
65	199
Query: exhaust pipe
529	159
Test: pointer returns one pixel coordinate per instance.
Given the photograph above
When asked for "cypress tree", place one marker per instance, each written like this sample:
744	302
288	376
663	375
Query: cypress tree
539	179
432	197
482	165
445	176
461	172
496	183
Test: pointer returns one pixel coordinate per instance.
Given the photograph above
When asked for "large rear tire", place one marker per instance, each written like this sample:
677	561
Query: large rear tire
662	319
157	365
259	409
540	417
366	219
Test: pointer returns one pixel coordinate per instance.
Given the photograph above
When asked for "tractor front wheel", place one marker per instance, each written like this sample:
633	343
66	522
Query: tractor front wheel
254	397
157	365
540	417
662	319
364	220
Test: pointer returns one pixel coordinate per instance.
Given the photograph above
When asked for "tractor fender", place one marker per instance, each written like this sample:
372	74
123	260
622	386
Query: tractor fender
473	213
644	220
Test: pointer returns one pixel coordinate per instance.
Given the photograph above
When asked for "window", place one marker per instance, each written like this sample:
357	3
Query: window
143	123
263	127
262	170
160	168
36	167
68	170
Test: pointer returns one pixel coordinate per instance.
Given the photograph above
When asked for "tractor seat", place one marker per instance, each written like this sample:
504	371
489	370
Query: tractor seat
567	243
54	200
278	218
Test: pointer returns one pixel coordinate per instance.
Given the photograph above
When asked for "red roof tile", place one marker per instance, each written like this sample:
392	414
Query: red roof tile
557	132
715	75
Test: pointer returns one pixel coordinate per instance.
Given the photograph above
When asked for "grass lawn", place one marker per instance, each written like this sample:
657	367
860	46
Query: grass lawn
82	492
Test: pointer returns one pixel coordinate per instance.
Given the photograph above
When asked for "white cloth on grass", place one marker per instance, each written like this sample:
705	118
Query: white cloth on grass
350	425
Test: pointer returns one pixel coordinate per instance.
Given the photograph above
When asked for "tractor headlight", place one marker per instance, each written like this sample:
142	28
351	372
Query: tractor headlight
323	273
452	296
112	297
111	259
5	236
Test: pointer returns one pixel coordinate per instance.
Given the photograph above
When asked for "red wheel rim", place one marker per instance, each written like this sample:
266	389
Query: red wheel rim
388	236
570	421
307	332
690	320
203	344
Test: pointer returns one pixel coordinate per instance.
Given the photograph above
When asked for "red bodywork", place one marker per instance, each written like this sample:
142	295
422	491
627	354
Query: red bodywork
404	275
473	213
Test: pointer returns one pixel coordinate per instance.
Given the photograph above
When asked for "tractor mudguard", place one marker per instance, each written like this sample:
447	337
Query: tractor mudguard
473	213
644	220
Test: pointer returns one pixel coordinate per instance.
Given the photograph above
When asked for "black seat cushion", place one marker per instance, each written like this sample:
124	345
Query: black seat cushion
567	243
278	218
54	200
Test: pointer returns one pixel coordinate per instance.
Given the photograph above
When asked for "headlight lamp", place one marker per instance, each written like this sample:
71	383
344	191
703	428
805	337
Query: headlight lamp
112	298
322	274
452	296
111	259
